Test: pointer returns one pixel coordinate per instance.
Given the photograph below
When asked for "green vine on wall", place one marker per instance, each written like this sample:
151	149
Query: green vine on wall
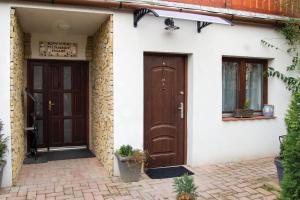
290	149
291	32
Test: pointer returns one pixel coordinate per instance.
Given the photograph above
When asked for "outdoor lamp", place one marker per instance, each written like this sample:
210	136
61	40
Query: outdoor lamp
169	22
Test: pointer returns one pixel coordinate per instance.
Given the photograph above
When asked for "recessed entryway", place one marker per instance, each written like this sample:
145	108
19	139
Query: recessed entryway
59	42
165	109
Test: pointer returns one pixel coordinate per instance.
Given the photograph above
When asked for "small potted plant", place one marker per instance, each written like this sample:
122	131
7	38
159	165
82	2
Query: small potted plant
278	160
130	163
3	149
185	188
246	112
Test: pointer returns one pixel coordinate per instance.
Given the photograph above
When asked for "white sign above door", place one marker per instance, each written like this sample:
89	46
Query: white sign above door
58	49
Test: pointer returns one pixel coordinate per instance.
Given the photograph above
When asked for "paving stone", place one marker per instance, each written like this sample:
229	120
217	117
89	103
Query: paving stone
263	191
84	179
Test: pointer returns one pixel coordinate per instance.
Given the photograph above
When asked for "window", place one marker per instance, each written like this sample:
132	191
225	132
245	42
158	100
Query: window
243	80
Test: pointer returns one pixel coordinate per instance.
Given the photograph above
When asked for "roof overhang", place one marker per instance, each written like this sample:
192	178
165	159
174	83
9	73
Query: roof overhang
192	17
202	20
229	14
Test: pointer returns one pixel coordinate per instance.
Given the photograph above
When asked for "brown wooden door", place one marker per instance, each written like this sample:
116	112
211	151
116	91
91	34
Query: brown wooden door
164	109
64	102
36	84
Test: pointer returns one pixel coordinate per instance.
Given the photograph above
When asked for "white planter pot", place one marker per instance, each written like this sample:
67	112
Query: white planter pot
130	171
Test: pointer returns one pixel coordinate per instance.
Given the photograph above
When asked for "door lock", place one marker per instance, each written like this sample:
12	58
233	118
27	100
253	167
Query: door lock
50	104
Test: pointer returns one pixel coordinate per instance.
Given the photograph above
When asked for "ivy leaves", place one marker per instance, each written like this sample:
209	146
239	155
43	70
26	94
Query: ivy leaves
292	83
291	32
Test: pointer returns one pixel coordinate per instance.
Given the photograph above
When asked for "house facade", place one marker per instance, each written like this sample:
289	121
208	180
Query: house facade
163	76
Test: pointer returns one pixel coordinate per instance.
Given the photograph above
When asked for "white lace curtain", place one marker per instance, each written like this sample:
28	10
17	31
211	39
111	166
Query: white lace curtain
229	82
254	77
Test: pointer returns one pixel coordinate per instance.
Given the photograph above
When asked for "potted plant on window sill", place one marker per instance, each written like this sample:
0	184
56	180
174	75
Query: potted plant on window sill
130	163
246	112
3	149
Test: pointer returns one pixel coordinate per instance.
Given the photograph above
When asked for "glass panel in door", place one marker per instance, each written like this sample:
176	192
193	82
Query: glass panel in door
38	77
67	104
37	90
38	108
67	78
67	131
67	71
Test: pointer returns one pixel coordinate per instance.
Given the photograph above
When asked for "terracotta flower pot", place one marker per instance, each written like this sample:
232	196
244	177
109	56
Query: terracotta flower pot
185	197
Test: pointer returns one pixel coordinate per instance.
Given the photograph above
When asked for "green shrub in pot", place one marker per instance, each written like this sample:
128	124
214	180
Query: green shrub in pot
185	188
125	151
291	152
130	162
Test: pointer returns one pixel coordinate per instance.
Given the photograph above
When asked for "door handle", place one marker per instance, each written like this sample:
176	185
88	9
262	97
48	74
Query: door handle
50	104
181	108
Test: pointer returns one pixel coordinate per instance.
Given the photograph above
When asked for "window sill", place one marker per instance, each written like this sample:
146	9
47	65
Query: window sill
226	119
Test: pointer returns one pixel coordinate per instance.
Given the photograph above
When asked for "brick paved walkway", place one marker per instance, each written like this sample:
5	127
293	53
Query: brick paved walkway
87	179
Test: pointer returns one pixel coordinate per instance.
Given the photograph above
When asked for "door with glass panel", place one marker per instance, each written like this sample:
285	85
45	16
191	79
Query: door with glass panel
61	87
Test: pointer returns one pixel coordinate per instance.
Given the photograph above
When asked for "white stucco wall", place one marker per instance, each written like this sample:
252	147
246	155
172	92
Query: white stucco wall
210	140
5	86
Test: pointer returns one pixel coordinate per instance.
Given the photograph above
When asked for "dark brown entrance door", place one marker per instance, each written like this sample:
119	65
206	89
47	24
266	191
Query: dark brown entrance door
164	109
62	90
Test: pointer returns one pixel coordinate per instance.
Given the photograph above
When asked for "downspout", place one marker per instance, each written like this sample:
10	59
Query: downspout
110	4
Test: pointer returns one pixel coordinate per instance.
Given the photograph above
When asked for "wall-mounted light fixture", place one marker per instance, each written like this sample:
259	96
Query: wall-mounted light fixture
169	22
63	26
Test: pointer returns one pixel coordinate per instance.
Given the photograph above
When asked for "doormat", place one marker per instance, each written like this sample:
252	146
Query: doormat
44	157
167	172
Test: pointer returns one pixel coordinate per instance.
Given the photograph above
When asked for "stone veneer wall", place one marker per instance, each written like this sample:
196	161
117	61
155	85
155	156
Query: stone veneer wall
27	45
89	48
102	95
16	95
